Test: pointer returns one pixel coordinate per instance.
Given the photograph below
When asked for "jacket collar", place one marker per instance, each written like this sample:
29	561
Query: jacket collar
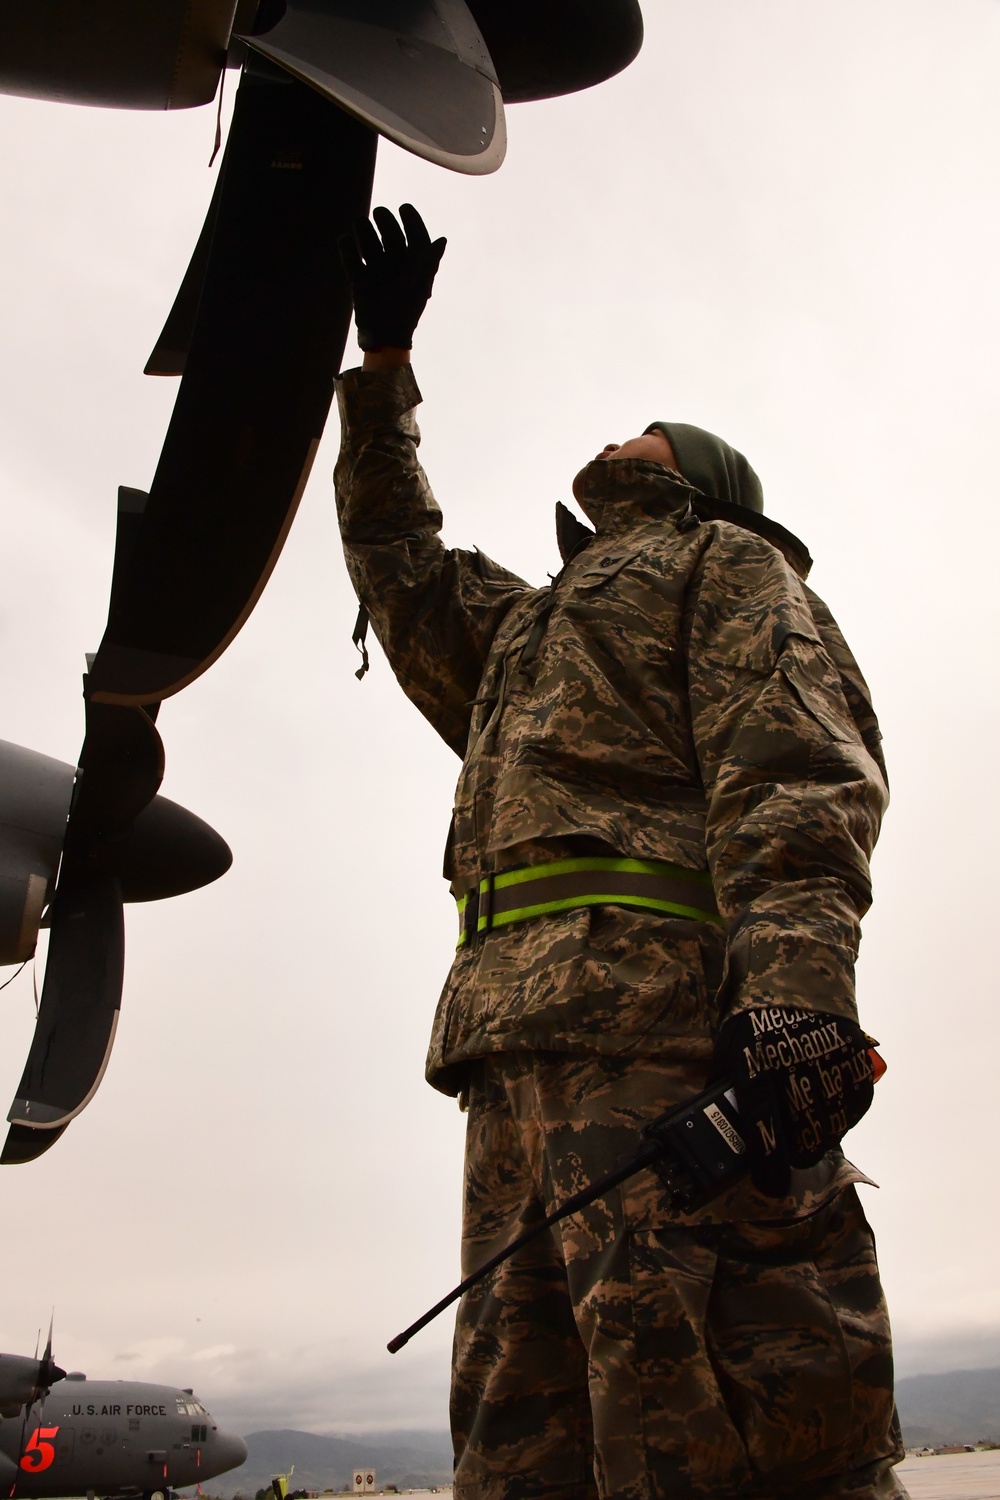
620	494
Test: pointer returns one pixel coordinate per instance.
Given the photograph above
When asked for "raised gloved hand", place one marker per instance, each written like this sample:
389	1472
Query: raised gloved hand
391	277
801	1080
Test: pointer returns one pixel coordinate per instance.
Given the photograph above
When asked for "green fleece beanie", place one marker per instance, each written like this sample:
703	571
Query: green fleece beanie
711	465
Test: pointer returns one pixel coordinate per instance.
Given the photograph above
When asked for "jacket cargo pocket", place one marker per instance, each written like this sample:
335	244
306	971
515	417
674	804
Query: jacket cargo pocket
816	685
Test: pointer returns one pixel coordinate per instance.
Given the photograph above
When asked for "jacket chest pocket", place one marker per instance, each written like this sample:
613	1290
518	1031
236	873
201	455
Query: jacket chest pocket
633	606
601	569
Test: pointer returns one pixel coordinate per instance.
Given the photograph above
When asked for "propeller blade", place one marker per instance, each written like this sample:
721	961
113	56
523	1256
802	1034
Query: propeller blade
78	1012
122	760
419	74
541	48
23	1144
121	767
270	332
169	354
48	1371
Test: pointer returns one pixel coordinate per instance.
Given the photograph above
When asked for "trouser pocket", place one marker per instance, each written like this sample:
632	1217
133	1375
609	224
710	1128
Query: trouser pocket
798	1332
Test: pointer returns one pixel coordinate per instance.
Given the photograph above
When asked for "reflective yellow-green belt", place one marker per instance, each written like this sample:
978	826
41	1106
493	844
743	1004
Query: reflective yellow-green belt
592	880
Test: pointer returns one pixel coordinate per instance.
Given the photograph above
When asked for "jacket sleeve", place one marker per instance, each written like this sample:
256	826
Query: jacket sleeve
434	610
794	797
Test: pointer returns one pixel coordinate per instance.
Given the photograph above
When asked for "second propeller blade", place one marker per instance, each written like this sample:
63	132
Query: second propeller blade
78	1012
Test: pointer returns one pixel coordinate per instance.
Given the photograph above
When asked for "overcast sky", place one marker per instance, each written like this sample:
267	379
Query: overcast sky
780	223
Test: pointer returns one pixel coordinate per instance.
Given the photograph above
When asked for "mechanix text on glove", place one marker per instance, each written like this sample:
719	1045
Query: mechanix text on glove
802	1079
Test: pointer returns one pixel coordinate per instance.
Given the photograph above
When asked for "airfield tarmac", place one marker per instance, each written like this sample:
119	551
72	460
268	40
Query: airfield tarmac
953	1476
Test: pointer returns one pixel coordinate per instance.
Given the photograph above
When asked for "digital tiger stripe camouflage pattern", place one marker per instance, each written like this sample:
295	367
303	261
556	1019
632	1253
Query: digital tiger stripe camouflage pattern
636	1352
677	694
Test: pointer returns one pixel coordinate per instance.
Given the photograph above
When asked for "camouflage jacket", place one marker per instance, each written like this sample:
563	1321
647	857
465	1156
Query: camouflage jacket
676	694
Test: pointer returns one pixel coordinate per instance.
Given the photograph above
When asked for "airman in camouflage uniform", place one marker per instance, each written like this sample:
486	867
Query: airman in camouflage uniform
676	695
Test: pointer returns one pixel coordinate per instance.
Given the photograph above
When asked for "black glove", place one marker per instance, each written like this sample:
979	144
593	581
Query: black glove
802	1079
391	277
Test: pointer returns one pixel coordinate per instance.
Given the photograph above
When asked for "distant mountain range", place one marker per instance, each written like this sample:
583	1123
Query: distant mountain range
411	1460
960	1407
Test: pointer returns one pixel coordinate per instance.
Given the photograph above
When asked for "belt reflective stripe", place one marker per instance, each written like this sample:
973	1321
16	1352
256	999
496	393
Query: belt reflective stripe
592	880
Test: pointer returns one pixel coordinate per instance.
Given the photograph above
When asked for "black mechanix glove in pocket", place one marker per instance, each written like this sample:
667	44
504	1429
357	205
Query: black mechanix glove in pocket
802	1078
391	277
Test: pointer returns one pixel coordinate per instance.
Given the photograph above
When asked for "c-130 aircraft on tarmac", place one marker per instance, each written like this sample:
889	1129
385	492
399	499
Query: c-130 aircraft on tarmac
102	1437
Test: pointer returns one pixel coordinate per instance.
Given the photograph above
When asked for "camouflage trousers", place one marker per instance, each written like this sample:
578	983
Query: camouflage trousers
640	1354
